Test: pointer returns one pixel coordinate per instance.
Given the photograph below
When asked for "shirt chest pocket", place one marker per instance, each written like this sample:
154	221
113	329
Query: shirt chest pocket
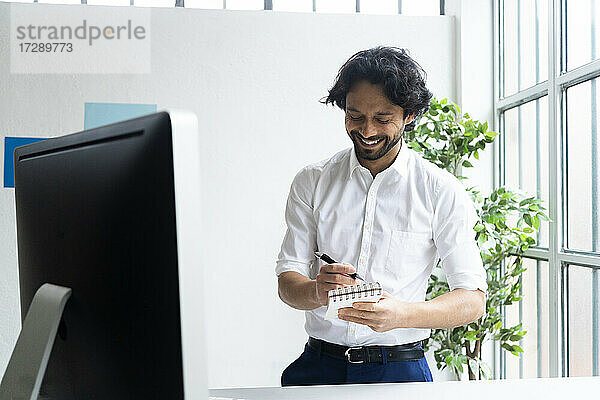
409	253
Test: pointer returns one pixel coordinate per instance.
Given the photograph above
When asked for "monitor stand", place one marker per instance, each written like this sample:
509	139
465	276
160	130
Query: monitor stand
29	359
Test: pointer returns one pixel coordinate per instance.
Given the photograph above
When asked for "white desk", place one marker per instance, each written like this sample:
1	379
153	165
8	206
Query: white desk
545	389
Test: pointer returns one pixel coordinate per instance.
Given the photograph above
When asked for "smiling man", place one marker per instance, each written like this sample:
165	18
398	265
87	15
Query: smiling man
389	215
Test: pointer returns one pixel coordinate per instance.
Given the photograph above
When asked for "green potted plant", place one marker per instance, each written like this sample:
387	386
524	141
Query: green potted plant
508	222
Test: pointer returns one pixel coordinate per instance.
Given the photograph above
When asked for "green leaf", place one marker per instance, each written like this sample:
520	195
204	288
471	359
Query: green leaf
474	365
527	219
517	348
486	371
536	222
467	164
471	336
449	360
498	325
482	238
507	347
458	365
416	147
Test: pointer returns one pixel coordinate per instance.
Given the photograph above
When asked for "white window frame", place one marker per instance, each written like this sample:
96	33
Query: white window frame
557	256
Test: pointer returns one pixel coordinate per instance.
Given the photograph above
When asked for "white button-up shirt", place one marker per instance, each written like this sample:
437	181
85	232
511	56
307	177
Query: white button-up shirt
392	228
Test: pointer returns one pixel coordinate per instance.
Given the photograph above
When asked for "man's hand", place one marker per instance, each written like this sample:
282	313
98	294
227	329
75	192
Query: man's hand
332	276
387	314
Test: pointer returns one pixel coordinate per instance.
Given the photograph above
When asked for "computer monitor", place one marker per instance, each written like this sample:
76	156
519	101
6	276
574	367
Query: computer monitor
112	214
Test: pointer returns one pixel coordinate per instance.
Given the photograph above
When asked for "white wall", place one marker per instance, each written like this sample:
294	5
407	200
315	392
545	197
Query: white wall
474	71
254	80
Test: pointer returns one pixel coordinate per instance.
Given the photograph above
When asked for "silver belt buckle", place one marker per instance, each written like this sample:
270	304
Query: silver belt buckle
347	354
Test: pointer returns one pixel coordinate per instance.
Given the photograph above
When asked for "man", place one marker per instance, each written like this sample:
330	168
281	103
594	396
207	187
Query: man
389	215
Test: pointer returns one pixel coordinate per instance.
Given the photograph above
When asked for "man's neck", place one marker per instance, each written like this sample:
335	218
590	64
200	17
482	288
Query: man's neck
376	166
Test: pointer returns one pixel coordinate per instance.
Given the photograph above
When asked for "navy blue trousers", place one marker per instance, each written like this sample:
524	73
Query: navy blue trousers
316	368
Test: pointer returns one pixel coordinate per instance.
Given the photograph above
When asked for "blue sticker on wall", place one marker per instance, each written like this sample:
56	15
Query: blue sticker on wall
10	144
98	114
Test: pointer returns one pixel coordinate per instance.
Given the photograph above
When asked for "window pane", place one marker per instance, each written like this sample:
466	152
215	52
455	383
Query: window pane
533	313
581	285
154	3
420	7
379	6
582	32
336	6
526	154
245	4
525	44
60	1
582	167
207	4
292	5
108	2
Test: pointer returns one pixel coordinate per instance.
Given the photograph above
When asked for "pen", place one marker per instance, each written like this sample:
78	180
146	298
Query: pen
330	260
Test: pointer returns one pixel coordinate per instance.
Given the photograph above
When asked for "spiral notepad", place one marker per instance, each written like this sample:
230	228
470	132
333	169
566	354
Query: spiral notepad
344	297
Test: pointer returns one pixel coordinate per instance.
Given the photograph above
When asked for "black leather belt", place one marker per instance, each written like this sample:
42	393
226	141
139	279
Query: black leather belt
361	354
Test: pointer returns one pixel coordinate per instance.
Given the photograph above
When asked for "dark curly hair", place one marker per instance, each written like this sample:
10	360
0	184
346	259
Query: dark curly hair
402	78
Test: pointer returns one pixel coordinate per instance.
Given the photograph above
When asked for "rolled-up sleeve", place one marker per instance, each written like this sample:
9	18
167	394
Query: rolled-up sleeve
299	241
454	236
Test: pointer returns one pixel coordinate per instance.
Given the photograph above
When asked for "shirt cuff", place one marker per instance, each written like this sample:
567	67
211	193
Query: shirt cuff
464	269
467	281
297	266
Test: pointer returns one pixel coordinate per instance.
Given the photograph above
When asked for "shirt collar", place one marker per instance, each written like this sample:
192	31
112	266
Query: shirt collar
400	164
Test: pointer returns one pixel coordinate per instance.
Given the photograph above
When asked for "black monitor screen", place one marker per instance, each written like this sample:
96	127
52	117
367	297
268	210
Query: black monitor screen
96	213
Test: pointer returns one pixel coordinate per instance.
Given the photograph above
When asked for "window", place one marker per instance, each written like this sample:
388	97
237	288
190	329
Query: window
336	6
109	2
582	164
581	285
405	7
547	114
526	153
420	7
206	4
532	312
293	5
154	3
525	39
60	1
379	7
583	36
245	4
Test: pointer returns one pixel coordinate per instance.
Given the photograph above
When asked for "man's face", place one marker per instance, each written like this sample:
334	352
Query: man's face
373	122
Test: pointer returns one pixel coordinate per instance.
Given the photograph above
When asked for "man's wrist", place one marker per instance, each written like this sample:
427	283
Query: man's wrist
409	314
315	293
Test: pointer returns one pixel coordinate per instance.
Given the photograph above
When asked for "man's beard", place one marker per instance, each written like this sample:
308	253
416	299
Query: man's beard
371	155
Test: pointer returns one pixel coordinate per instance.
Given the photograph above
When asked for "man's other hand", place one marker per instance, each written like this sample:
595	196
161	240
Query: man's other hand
386	314
333	276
